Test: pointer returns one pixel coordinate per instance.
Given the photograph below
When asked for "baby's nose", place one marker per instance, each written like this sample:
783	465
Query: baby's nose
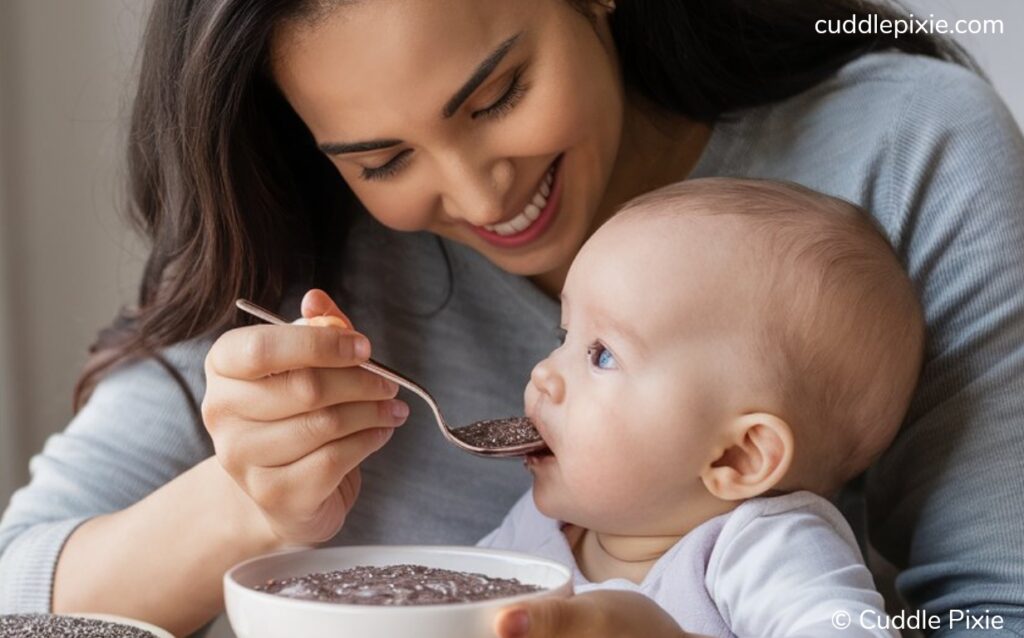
547	381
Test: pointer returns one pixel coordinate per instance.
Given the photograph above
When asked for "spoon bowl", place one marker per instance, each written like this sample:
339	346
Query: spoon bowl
496	438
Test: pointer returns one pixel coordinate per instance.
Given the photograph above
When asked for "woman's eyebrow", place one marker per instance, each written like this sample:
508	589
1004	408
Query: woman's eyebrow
340	148
482	72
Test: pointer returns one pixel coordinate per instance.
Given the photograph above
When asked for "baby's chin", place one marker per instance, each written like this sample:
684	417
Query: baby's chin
550	504
565	509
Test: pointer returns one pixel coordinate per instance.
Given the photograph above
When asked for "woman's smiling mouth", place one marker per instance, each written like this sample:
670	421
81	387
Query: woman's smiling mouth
532	211
535	217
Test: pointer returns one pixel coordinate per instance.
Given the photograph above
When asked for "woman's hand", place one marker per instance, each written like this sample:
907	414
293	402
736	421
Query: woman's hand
292	417
595	614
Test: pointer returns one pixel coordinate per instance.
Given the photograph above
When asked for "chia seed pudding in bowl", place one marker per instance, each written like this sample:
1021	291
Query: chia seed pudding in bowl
385	591
76	626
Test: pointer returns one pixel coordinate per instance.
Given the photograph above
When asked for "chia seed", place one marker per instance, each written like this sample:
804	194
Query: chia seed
395	585
498	433
51	626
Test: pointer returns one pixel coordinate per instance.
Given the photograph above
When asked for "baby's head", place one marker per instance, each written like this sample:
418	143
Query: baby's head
724	339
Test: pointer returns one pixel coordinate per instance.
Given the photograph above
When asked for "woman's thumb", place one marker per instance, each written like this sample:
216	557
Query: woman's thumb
317	303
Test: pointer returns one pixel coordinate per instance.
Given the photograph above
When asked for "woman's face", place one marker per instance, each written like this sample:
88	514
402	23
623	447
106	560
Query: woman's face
494	123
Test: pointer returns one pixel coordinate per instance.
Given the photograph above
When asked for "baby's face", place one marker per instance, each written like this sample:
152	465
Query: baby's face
632	402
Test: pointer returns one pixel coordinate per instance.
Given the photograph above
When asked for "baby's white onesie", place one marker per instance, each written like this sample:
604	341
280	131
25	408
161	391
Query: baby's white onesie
780	566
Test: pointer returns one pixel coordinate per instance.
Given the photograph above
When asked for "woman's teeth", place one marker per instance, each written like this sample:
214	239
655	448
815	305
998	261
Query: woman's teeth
530	213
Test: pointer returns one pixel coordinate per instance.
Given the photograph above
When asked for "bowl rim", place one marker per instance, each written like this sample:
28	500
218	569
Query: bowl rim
567	579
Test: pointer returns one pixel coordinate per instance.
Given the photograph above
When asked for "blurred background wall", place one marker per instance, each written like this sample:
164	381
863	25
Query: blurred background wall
67	261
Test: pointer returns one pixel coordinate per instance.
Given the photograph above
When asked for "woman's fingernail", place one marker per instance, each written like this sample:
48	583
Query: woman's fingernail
517	624
399	409
362	347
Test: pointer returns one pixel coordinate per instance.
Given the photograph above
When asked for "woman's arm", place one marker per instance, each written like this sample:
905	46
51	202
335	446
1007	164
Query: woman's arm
945	502
125	466
291	416
161	560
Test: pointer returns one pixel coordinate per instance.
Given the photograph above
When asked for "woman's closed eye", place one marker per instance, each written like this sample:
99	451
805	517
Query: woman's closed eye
509	99
501	107
601	357
390	169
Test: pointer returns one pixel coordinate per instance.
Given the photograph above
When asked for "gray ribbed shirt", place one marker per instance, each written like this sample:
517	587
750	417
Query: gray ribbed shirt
927	147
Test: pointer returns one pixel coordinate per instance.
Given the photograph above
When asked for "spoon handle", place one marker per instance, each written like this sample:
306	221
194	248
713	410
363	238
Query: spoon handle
373	366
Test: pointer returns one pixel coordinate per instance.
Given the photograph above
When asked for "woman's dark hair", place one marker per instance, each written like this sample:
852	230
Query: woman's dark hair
227	184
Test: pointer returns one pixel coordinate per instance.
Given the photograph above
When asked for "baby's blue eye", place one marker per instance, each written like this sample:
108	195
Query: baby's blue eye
601	357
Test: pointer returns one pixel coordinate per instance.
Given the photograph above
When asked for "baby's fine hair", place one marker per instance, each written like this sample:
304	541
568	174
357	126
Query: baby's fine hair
841	332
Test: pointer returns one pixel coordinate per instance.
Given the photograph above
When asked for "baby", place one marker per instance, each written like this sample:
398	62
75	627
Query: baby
735	350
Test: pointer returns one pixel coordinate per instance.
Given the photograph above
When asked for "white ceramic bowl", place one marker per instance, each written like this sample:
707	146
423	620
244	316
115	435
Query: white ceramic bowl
256	614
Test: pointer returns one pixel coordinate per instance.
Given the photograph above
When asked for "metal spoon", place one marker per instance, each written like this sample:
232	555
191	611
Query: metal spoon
483	438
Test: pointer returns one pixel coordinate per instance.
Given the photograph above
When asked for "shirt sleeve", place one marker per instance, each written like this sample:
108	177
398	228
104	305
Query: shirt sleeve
946	501
136	432
789	567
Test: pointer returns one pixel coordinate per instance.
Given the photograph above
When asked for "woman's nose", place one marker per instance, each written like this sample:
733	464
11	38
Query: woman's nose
477	192
547	381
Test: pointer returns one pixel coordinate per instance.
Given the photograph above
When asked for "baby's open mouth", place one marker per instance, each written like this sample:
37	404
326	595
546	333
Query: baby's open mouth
546	452
538	459
543	453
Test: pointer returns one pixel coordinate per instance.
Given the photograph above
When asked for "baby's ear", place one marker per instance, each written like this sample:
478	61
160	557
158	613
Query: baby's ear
756	454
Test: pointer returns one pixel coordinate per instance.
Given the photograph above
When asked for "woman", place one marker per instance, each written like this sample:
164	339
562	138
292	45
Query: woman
444	120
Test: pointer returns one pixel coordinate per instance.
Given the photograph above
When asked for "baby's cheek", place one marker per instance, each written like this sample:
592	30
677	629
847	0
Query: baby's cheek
595	484
614	488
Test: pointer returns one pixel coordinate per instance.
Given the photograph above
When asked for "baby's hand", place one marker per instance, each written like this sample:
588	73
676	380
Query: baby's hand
594	614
